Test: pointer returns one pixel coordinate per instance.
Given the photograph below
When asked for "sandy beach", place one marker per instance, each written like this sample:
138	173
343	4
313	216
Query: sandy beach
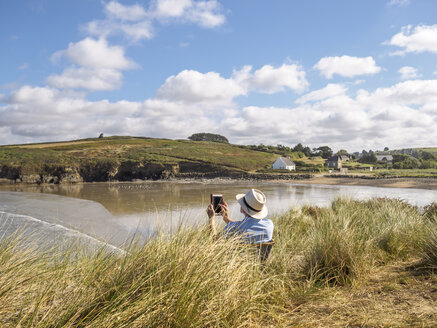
417	183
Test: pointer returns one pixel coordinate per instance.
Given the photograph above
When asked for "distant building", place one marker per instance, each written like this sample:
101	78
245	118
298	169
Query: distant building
336	162
387	159
284	163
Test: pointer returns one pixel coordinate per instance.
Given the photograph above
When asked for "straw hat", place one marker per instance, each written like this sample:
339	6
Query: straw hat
253	203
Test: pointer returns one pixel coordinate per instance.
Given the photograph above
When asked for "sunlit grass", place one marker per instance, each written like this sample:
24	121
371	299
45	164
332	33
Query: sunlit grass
190	279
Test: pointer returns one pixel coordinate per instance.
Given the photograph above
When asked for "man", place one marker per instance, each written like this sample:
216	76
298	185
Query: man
254	228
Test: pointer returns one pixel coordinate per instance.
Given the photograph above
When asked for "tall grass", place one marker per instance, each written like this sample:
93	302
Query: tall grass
190	279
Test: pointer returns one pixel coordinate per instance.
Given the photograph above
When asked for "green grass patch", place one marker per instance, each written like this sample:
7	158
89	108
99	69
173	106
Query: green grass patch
192	280
417	173
31	158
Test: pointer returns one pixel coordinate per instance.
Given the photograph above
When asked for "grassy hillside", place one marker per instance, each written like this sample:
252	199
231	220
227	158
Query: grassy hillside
33	157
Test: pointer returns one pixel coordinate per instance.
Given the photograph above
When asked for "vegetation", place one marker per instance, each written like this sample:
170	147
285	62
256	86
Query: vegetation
208	137
324	151
100	159
97	153
338	266
418	162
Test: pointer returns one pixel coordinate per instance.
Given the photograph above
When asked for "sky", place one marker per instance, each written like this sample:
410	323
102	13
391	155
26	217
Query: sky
351	75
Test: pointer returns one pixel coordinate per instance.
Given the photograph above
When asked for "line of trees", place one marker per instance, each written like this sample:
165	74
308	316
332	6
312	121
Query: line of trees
403	159
301	150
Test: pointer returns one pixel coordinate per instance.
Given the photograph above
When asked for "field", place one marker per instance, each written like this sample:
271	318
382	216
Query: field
34	156
398	173
355	264
99	159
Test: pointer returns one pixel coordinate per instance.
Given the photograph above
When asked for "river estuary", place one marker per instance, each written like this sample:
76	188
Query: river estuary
115	211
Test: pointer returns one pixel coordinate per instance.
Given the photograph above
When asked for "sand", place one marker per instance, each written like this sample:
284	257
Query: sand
417	183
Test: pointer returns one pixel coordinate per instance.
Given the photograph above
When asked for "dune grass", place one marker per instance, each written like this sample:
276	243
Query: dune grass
190	279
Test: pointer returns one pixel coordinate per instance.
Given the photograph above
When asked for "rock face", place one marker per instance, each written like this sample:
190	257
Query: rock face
10	172
31	178
106	170
130	170
98	171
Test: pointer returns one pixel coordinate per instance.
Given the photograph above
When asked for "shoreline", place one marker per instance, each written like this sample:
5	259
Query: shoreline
401	182
414	183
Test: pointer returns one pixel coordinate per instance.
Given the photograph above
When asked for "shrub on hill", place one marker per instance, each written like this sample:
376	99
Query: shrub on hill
404	161
10	172
369	158
208	137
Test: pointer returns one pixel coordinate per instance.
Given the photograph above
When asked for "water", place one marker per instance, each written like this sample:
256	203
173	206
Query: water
114	212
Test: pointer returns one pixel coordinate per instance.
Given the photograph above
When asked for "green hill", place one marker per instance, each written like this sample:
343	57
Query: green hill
100	159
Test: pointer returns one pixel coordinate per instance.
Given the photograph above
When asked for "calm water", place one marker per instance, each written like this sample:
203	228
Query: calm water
115	211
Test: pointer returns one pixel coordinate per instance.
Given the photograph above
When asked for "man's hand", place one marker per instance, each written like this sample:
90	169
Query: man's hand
211	215
224	210
210	211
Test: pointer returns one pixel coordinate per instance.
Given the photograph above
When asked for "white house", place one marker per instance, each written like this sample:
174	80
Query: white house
284	163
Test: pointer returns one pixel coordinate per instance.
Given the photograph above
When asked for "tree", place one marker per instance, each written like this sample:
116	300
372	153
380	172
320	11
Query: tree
370	158
208	137
307	151
298	147
428	156
101	135
404	161
342	152
386	149
324	151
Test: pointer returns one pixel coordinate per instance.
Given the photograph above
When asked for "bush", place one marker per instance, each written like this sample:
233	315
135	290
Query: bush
208	137
404	161
191	279
430	212
10	172
429	251
427	164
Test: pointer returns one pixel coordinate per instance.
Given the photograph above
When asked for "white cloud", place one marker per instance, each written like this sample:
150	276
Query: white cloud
206	14
402	115
399	2
269	79
171	8
134	31
192	86
98	54
408	93
33	113
134	13
331	90
97	66
86	78
136	23
399	116
347	66
421	38
408	73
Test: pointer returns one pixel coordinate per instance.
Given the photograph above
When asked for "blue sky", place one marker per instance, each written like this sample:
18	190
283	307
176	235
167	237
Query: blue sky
349	74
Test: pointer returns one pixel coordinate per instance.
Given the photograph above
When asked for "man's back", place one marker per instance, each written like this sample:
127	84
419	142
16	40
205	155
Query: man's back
255	231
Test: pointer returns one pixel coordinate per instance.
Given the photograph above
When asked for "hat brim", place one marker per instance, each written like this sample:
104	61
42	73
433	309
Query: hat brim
256	215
